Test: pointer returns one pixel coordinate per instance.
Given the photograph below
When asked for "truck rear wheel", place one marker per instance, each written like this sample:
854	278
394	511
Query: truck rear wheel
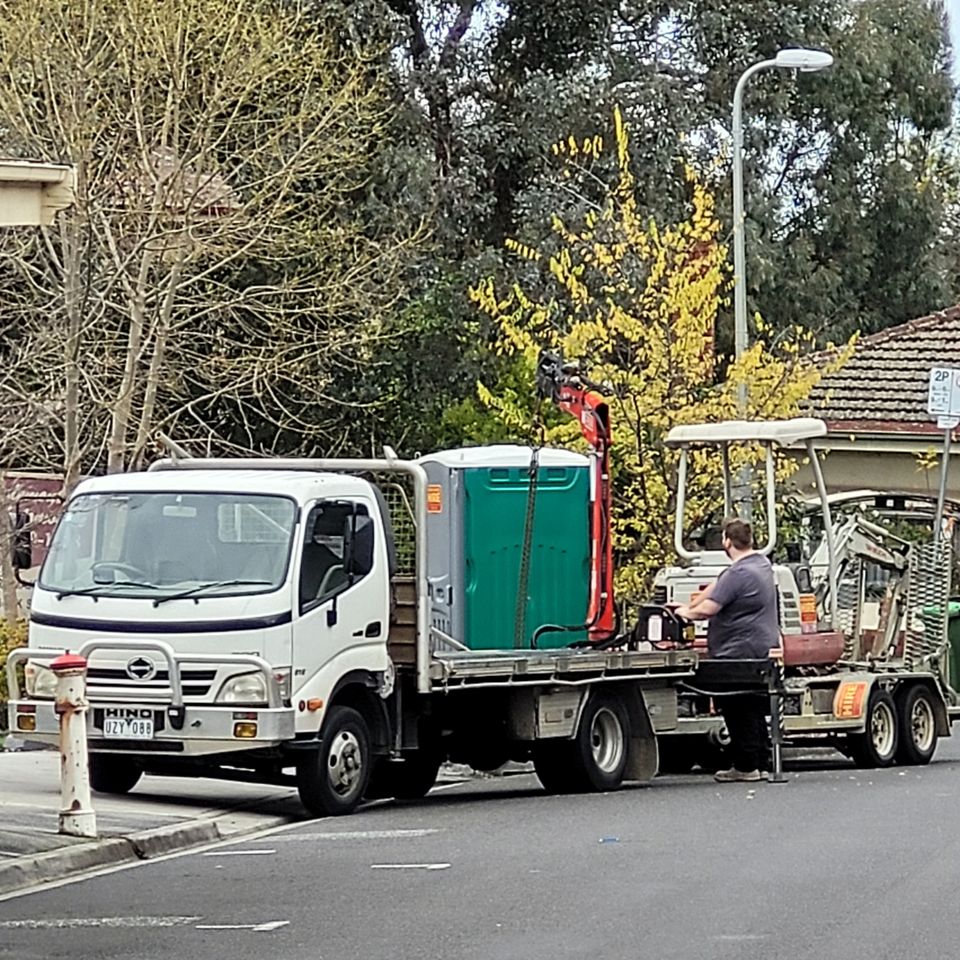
918	726
877	745
113	773
410	778
333	780
552	761
596	758
602	741
678	753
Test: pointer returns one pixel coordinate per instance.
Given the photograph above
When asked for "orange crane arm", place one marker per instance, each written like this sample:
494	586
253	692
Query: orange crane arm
563	384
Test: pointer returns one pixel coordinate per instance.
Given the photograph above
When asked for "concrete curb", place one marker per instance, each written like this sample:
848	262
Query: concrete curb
36	869
29	871
178	836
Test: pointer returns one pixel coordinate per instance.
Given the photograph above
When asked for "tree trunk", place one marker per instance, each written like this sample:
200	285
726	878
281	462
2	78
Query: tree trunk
70	239
8	578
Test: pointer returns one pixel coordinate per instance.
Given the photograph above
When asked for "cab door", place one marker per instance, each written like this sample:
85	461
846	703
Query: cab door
341	612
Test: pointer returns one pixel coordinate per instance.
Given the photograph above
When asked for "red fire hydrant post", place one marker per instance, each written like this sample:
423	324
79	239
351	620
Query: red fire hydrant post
76	815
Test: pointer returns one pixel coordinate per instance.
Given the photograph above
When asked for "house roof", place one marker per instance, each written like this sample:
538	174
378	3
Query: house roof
884	384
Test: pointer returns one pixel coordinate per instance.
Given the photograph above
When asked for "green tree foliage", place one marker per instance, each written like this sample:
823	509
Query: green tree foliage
845	171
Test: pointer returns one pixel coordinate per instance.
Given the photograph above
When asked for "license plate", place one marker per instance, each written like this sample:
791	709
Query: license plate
128	724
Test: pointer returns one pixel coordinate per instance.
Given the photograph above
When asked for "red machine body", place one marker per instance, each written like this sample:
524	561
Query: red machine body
571	392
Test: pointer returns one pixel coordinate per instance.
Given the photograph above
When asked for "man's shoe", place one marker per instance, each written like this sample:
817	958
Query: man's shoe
737	776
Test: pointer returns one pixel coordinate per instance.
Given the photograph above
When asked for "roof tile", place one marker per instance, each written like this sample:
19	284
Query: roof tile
886	378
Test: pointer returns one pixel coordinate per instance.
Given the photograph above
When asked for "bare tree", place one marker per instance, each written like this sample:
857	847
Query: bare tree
213	272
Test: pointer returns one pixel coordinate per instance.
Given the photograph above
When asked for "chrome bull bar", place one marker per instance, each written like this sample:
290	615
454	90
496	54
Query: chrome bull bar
175	708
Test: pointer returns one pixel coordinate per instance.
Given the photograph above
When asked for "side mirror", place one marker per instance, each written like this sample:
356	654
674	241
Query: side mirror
360	560
22	548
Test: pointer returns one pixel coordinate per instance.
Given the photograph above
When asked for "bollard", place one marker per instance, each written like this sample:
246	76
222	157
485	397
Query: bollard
776	689
76	815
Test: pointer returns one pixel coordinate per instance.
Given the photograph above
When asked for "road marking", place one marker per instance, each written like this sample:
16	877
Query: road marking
357	835
238	853
63	923
254	927
737	937
409	866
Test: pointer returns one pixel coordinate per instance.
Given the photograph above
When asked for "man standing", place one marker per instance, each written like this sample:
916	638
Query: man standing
742	609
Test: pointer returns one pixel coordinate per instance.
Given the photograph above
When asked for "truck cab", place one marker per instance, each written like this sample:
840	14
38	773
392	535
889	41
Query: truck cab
217	609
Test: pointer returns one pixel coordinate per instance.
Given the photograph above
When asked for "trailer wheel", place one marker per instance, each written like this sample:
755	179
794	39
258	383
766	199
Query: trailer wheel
113	773
877	745
918	726
333	780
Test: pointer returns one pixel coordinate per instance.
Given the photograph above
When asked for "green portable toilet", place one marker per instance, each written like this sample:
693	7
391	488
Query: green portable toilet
477	506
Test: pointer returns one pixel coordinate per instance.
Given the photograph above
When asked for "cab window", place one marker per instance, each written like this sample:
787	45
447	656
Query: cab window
337	551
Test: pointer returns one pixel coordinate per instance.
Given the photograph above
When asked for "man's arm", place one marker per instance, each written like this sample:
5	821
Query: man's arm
703	608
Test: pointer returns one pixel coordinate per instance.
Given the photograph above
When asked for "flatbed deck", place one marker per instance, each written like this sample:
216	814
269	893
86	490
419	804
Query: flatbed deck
470	668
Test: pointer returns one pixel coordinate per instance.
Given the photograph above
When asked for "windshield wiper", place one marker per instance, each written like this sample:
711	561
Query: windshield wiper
97	587
209	586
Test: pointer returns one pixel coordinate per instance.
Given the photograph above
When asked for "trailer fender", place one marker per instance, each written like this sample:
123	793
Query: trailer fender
851	697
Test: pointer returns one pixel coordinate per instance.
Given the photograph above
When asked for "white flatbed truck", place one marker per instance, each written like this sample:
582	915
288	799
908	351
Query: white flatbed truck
272	620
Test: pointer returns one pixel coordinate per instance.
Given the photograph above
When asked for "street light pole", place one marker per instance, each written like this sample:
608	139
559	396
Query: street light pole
790	59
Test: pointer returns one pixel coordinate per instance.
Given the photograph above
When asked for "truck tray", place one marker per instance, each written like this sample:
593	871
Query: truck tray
470	668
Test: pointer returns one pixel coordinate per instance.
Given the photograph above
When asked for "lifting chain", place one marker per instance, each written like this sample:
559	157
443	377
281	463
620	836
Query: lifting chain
523	578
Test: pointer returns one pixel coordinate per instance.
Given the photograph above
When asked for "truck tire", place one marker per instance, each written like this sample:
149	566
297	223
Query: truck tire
678	753
113	773
602	742
553	763
877	745
918	726
596	758
410	778
332	780
415	775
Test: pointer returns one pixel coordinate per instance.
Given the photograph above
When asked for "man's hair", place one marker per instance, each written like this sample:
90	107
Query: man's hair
738	532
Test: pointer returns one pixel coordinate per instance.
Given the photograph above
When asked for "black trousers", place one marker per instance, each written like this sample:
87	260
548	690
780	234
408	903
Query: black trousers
746	718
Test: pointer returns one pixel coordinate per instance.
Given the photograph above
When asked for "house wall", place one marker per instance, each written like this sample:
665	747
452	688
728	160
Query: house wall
881	464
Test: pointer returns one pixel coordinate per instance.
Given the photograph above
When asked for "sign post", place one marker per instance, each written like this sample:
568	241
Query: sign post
943	402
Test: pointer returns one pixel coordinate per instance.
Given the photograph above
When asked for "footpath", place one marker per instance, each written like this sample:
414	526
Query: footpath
160	815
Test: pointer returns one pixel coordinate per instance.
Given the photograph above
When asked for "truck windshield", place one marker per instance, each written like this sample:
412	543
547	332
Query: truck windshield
160	544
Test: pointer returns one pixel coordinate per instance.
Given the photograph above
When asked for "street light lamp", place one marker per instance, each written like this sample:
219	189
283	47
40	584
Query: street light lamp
807	61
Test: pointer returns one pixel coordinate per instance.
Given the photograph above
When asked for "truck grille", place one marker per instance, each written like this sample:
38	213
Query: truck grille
195	683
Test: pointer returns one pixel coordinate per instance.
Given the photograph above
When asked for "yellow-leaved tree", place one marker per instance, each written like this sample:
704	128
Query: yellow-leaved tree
637	305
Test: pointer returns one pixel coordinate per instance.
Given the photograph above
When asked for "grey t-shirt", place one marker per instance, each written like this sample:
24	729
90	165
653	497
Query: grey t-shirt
746	626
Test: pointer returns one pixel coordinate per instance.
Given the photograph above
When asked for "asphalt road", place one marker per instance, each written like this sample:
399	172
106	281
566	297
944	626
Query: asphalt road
838	862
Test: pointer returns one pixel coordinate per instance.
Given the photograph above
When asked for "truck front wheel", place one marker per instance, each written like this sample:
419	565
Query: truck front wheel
113	773
333	780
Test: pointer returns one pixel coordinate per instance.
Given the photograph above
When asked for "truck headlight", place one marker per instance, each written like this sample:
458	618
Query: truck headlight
247	688
40	681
